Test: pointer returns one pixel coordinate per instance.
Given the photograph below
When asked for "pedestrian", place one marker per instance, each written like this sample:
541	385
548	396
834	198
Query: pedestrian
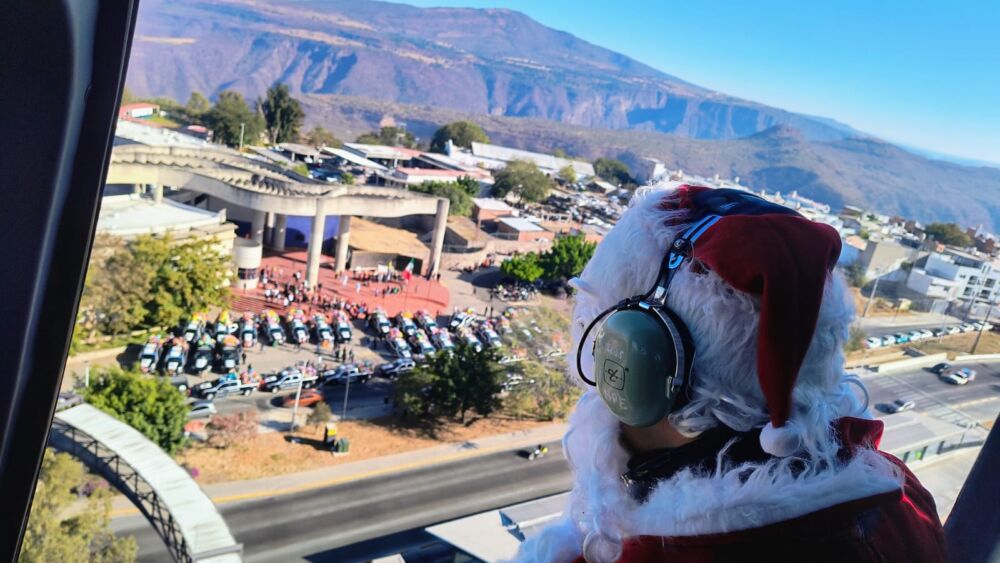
351	354
243	357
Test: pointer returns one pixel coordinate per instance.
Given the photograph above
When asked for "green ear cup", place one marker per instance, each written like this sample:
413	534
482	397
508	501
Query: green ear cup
634	356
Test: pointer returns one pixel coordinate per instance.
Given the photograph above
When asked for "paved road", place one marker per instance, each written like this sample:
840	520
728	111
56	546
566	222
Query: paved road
978	401
314	524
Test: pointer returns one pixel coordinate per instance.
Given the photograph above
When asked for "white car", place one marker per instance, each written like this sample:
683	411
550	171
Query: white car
954	330
888	340
201	409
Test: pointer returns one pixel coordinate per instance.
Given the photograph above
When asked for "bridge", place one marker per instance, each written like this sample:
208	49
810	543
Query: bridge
272	194
181	513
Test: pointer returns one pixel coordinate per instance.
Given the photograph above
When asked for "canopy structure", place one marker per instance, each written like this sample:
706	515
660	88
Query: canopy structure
174	504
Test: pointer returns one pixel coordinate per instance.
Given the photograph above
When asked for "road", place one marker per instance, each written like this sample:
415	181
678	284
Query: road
314	524
894	329
978	401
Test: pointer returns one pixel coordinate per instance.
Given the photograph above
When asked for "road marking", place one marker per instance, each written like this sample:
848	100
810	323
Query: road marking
228	499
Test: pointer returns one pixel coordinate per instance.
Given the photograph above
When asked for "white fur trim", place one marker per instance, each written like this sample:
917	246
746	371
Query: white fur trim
781	442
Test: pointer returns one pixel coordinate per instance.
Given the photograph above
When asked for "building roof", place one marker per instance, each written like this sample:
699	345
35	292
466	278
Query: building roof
491	204
521	225
300	149
129	131
446	162
382	151
368	236
200	523
419	175
133	214
546	161
353	158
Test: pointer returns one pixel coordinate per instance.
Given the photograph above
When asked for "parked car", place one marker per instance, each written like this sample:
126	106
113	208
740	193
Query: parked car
307	398
394	368
926	333
899	405
888	340
954	330
966	327
939	332
340	374
176	357
222	387
404	321
194	329
149	358
873	342
967	373
901	337
941	368
287	379
201	409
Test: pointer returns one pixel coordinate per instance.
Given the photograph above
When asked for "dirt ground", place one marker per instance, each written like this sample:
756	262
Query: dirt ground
962	344
272	454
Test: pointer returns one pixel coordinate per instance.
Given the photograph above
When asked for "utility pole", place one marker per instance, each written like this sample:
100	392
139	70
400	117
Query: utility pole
242	128
979	334
347	390
878	277
295	409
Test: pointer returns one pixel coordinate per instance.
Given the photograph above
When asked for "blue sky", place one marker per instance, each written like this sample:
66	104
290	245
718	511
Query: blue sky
926	74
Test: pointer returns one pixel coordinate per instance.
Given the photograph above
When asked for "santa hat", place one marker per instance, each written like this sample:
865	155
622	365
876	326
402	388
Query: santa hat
772	252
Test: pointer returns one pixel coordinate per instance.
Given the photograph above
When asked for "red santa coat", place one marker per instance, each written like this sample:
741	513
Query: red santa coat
873	509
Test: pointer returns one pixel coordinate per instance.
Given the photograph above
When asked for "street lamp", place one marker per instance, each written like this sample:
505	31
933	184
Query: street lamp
982	327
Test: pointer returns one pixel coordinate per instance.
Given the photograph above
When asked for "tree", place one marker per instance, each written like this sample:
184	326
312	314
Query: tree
461	133
59	529
320	414
855	274
226	430
522	178
460	203
453	384
567	174
320	137
347	178
948	233
115	291
389	136
469	185
543	393
567	257
228	114
282	113
151	405
524	267
197	106
614	171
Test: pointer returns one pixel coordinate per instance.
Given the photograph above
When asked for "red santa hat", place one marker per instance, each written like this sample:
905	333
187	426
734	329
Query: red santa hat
774	253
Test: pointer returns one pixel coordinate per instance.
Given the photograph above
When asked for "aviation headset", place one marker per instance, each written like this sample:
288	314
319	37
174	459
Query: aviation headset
643	352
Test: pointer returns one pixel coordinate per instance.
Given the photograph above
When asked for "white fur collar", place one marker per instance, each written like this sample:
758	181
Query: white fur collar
600	513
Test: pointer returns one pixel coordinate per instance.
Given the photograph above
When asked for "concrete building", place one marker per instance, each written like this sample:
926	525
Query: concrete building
496	157
247	255
406	177
883	258
130	215
138	110
390	157
521	230
650	171
490	209
180	164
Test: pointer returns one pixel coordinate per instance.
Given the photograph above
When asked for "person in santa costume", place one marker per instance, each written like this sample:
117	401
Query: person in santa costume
766	452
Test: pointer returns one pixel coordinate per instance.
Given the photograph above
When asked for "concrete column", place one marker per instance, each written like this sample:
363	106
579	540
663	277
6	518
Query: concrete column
257	226
157	193
316	243
278	234
138	189
437	240
269	229
343	240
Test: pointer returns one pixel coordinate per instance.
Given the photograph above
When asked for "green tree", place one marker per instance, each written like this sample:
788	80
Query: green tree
347	178
948	233
282	113
614	171
469	185
228	114
524	267
115	291
320	137
855	274
462	133
389	136
453	385
460	201
543	393
197	106
567	174
567	257
522	178
151	405
59	531
856	339
189	276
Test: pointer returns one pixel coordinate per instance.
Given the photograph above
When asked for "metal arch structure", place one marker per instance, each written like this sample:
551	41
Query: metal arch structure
181	513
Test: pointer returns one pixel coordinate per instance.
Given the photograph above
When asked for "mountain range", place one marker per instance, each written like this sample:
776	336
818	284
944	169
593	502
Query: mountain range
355	62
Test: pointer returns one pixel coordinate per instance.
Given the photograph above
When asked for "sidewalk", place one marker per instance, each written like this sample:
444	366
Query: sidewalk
235	491
914	319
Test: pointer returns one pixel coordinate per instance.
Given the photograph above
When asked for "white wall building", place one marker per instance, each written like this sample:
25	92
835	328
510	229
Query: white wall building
954	274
